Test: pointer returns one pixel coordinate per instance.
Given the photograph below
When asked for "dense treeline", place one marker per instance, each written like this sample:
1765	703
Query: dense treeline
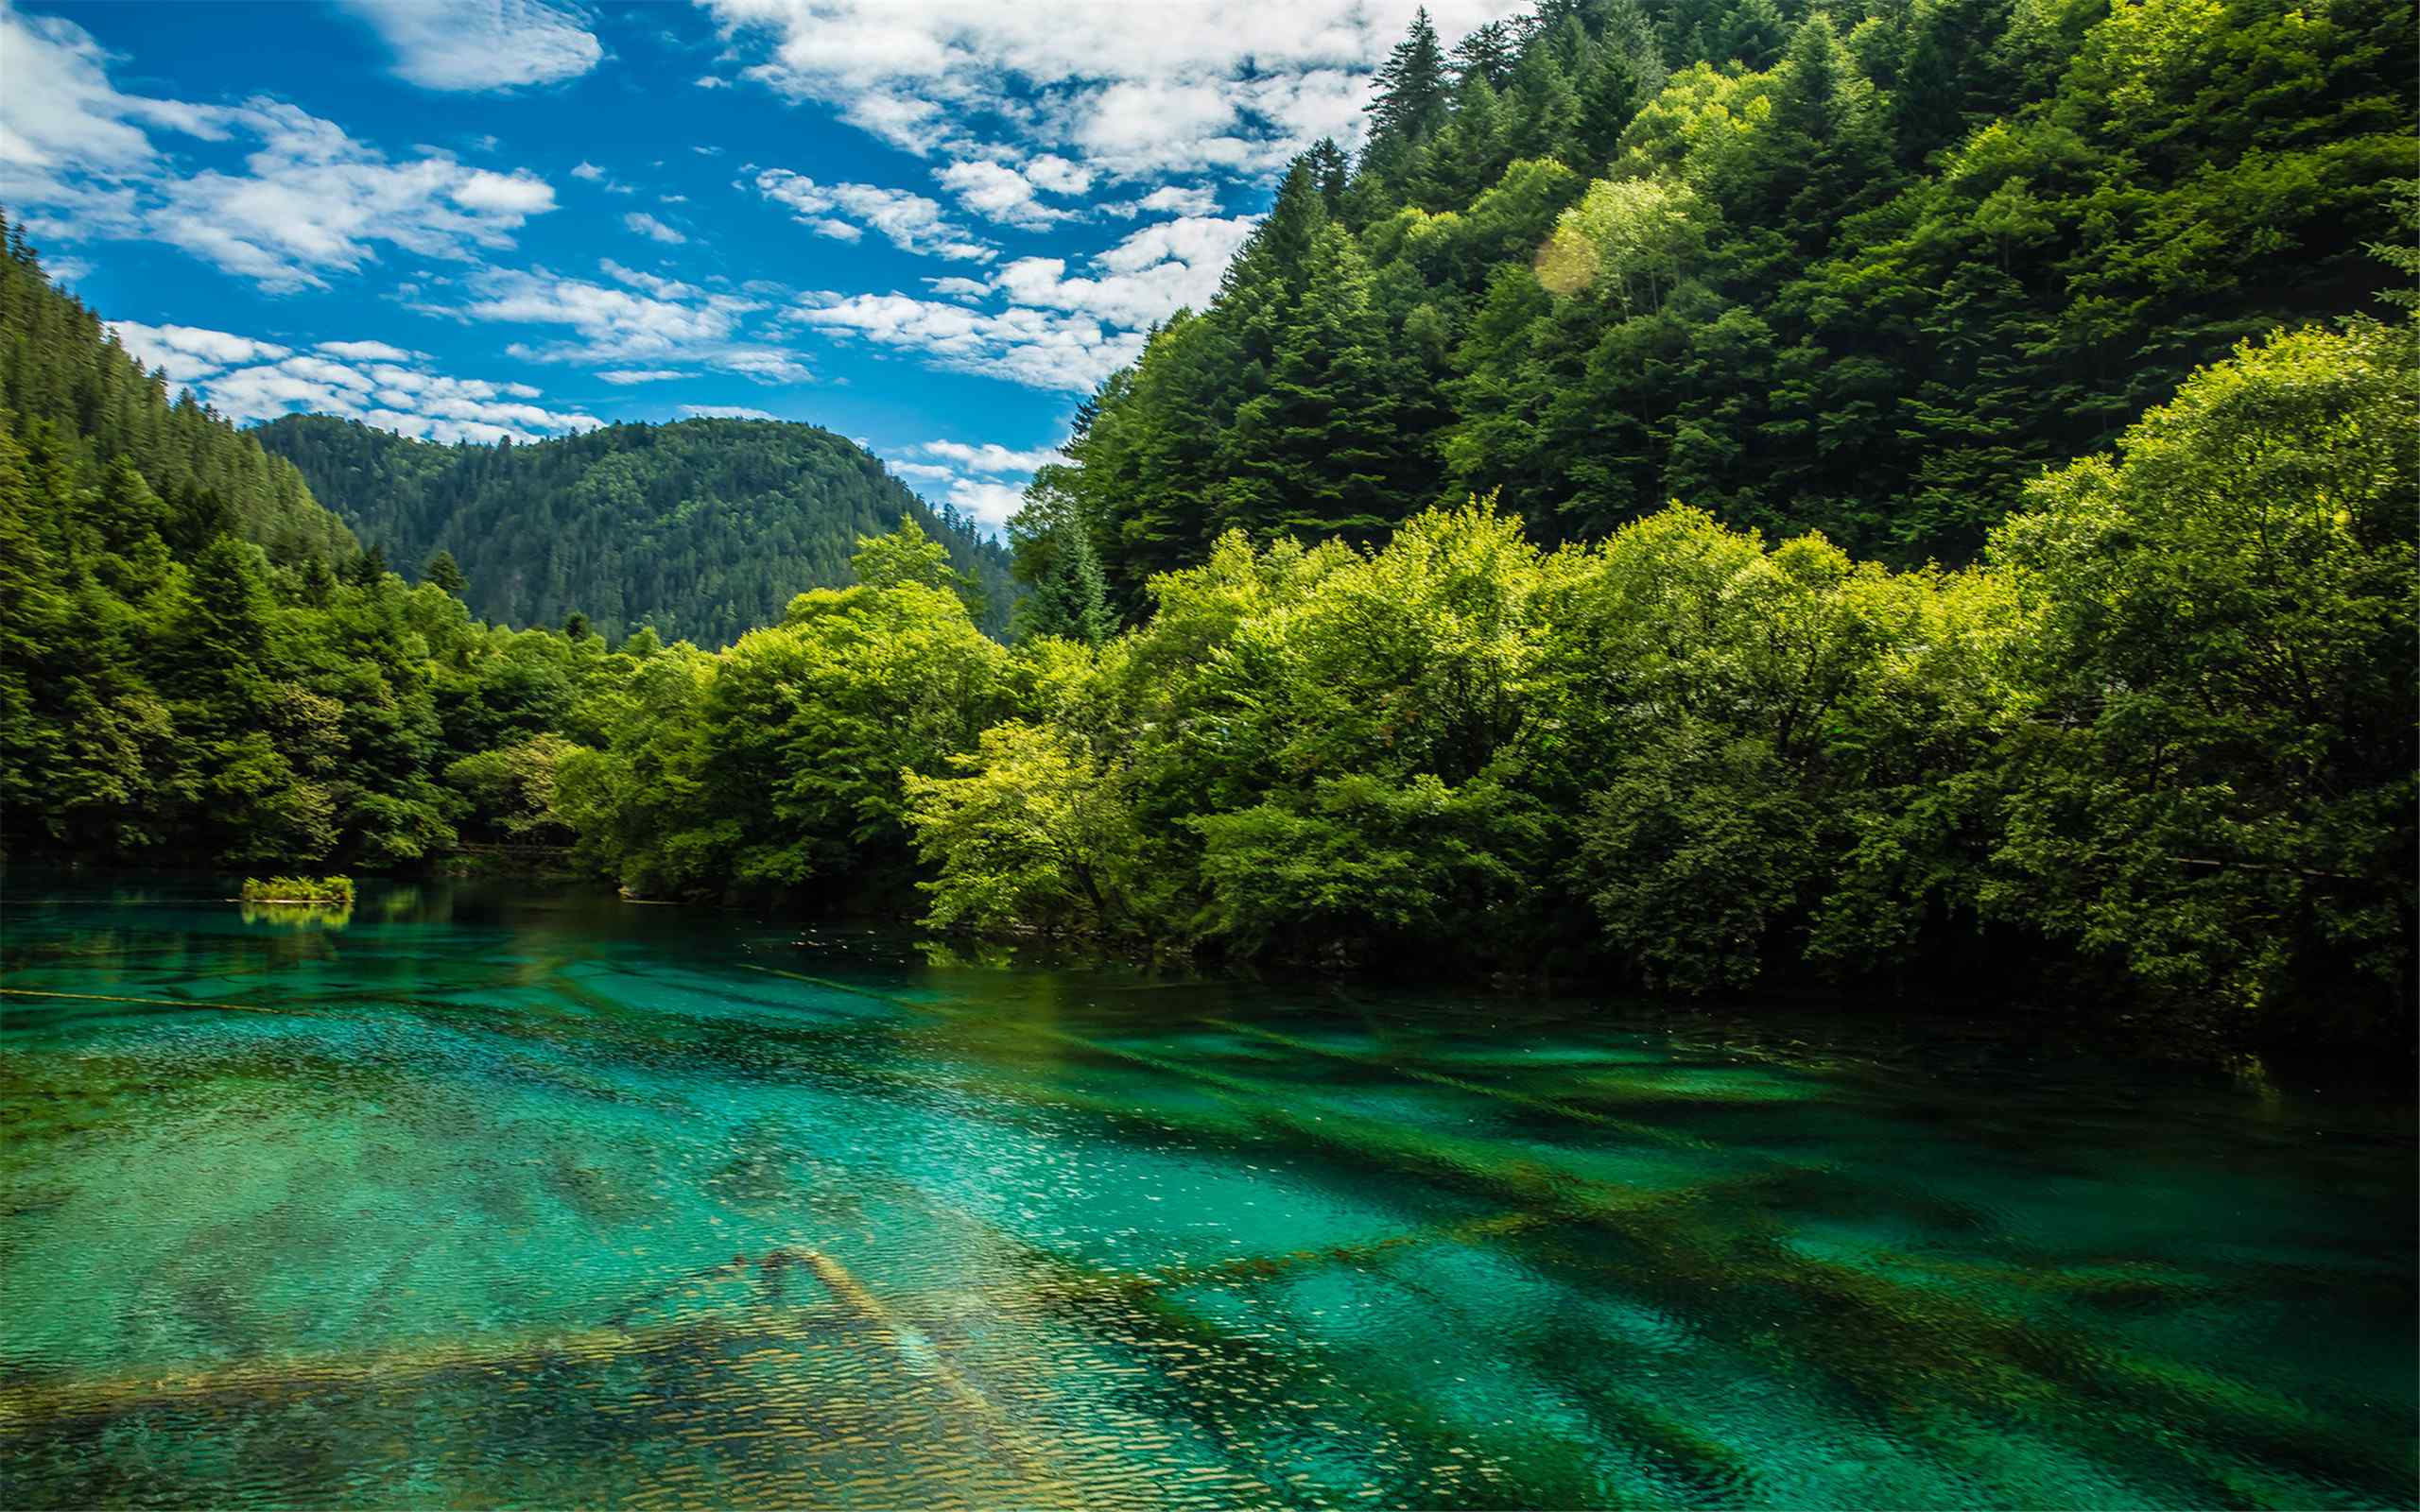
2157	749
196	659
1863	268
700	529
1361	630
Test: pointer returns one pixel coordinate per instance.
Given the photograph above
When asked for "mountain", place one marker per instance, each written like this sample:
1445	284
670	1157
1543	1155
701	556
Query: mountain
1862	270
99	430
196	661
702	528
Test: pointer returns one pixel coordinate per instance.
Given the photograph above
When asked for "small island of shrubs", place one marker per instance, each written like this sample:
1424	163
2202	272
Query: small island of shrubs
299	890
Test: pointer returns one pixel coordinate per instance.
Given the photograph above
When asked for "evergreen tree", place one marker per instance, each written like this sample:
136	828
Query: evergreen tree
1488	53
1410	101
444	573
1317	453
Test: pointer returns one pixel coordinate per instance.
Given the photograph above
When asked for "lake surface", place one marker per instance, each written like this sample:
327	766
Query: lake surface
482	1195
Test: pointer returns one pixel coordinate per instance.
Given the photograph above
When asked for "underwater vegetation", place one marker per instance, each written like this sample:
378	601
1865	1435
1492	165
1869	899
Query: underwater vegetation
493	1197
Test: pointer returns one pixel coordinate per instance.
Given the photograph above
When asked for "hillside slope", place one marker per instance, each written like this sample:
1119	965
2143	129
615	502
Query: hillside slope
1861	269
95	422
702	528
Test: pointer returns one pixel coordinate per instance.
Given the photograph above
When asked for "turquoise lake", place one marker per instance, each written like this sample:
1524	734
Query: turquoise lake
488	1194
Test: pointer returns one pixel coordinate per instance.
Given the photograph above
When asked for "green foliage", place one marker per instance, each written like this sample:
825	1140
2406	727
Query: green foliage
2215	782
1037	833
777	766
702	528
2163	738
299	890
512	791
1860	272
195	660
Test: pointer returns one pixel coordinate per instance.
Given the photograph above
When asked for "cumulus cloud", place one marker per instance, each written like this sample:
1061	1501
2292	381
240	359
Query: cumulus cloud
310	199
481	44
1008	195
725	412
588	171
520	193
1142	280
623	377
247	379
189	351
844	210
314	201
1060	330
60	110
365	352
1128	90
646	225
640	327
991	504
1036	347
1168	200
990	457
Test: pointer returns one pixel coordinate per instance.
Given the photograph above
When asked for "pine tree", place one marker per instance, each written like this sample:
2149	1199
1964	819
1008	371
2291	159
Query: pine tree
1610	94
1070	596
1487	53
1752	33
1316	452
1546	109
1464	159
1408	103
443	572
1826	153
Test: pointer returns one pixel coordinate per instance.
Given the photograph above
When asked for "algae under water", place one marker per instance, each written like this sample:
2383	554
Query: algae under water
476	1195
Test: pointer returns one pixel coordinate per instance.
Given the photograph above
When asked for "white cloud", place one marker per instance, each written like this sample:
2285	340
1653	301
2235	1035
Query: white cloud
646	225
189	351
623	377
1132	90
245	378
1000	193
927	472
912	222
588	170
989	502
991	458
725	412
481	44
365	352
1143	280
310	199
1168	200
1035	348
520	193
643	326
60	110
1053	174
958	288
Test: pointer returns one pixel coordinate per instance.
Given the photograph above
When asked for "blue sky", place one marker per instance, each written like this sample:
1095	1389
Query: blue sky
931	225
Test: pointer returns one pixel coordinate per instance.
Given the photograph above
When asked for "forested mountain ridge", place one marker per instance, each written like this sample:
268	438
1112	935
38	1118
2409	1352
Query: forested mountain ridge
198	663
96	426
1863	268
700	528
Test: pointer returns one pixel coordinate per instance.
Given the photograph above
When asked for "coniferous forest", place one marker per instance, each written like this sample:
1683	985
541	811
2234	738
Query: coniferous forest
1711	495
700	529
